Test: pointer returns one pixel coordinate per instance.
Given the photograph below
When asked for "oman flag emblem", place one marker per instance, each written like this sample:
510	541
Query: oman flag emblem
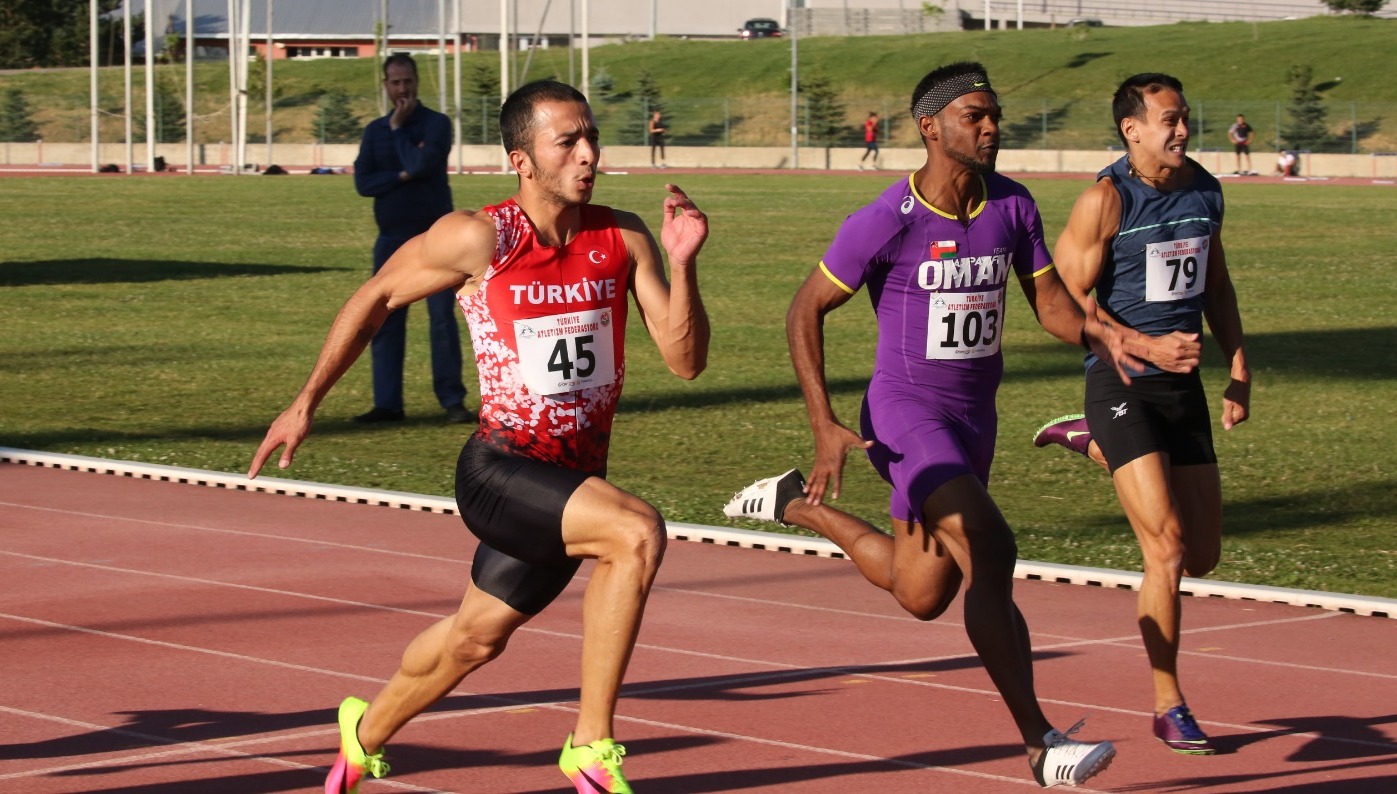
943	249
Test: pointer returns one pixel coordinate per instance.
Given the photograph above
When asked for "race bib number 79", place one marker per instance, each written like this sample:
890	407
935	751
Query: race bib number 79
1176	270
566	352
964	324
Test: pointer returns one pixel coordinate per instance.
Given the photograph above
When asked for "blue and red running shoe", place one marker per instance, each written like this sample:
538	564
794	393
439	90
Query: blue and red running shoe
1180	732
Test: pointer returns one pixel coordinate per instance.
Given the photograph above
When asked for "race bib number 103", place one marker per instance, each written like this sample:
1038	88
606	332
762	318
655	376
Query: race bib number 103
964	325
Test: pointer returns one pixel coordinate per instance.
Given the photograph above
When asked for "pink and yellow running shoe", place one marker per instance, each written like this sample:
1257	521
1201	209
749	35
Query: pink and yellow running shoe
353	763
594	768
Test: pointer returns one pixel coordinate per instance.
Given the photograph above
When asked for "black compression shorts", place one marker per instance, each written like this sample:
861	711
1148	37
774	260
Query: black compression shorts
1157	413
514	505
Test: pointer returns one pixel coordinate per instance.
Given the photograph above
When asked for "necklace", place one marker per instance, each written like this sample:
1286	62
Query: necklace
1135	172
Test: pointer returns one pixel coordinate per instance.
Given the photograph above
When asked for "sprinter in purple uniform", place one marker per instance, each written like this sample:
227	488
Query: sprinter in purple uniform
936	251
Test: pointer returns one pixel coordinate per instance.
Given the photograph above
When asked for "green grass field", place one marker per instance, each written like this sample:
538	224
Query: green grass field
738	91
168	320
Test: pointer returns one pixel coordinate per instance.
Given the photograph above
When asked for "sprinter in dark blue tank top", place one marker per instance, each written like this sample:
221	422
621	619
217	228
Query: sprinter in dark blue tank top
1155	269
1147	237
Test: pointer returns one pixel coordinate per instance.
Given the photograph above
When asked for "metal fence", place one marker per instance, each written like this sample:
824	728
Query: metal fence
1028	123
1036	123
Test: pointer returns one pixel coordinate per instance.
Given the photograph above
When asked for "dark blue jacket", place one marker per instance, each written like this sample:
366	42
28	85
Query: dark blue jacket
420	147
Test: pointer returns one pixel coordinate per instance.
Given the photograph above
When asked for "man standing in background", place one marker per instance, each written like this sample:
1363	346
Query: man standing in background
402	167
1241	135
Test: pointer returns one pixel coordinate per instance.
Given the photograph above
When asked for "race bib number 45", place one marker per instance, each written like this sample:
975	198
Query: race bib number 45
566	352
1176	270
964	325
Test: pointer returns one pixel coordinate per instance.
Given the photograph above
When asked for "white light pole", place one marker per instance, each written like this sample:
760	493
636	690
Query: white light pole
126	73
586	50
456	107
794	27
92	81
268	94
441	54
232	78
150	85
189	86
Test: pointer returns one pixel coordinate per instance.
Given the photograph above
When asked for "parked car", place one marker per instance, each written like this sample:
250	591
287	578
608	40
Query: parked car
760	29
1083	22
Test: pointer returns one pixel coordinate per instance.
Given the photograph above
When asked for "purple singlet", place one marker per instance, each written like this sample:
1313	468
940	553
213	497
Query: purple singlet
938	291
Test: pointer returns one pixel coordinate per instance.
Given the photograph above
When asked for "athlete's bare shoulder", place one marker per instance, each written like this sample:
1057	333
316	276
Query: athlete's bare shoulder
1098	209
636	235
628	221
463	240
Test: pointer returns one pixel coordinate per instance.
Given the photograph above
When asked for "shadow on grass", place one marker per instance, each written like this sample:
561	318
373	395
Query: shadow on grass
1344	353
1301	508
130	271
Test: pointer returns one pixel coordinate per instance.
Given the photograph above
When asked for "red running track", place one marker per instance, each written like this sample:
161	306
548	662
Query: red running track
158	637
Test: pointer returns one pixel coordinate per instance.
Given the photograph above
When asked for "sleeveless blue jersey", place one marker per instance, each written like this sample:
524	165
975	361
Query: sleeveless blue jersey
1156	266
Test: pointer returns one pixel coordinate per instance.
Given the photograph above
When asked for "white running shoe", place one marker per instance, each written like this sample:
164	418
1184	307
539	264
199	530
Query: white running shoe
766	500
1068	762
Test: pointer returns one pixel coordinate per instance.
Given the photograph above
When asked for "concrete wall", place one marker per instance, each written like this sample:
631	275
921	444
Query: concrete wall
617	158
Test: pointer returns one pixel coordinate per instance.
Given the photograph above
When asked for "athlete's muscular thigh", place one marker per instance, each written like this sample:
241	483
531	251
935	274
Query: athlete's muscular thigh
925	577
600	518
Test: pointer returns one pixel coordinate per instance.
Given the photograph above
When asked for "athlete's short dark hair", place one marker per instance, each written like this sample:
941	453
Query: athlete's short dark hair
399	58
1129	101
517	112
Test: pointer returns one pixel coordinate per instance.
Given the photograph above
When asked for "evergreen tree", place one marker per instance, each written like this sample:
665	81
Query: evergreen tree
1364	7
46	32
169	114
824	112
334	122
16	123
480	111
603	85
1307	128
635	124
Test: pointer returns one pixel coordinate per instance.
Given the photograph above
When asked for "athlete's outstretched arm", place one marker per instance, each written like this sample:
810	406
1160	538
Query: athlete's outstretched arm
1080	255
805	333
1225	321
673	312
445	257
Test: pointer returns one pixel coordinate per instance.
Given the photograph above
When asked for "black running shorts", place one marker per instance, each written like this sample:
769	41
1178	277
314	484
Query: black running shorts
514	505
1165	413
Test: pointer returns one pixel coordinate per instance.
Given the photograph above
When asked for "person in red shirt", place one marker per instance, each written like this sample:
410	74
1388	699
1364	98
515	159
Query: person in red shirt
543	278
870	140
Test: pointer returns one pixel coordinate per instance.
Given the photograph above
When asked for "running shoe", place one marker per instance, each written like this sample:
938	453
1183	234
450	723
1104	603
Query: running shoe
594	768
1068	762
1180	732
352	763
1070	431
766	500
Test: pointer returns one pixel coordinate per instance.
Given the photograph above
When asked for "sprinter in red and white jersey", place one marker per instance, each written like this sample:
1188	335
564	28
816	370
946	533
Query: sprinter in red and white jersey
543	278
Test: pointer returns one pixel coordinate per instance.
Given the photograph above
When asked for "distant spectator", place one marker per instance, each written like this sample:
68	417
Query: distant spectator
870	140
1241	135
1287	163
402	166
657	130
